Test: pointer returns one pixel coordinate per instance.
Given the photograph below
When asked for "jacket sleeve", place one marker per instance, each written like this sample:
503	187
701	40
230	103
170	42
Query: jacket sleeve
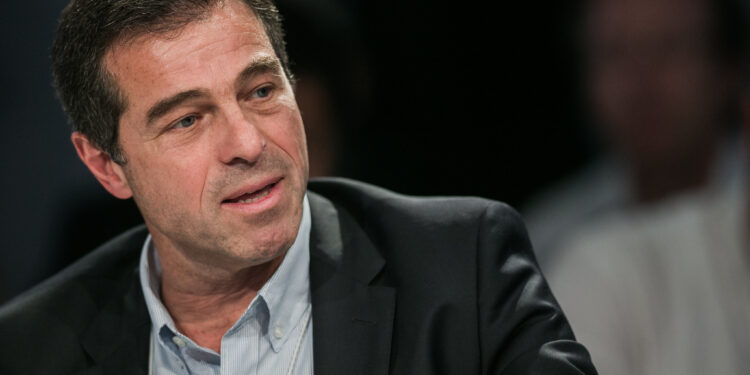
522	329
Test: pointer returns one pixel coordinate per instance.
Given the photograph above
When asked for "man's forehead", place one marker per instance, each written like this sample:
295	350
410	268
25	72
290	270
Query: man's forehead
228	28
222	16
210	51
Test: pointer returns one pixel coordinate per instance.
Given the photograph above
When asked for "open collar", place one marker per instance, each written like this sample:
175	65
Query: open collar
284	297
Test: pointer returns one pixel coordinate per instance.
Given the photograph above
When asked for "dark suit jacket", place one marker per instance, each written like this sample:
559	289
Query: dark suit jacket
400	285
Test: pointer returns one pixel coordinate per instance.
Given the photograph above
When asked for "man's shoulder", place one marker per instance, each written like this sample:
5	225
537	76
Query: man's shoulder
465	265
51	324
404	229
81	286
369	202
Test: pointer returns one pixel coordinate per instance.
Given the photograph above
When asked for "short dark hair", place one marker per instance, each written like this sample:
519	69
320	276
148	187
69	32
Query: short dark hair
88	29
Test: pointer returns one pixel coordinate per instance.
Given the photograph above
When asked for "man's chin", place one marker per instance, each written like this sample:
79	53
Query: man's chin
260	261
247	252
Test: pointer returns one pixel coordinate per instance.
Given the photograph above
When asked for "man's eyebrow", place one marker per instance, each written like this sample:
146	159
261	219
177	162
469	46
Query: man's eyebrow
165	105
261	65
265	64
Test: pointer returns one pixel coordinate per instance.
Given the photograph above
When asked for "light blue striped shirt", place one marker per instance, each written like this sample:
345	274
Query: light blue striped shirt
272	335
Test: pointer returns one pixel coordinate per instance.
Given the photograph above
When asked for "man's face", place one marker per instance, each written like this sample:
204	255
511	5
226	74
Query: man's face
213	138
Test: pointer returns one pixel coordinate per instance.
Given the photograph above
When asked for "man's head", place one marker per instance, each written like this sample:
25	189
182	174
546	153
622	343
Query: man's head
662	74
210	137
89	28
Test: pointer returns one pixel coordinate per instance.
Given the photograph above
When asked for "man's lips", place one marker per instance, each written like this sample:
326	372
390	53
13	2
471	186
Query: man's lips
253	193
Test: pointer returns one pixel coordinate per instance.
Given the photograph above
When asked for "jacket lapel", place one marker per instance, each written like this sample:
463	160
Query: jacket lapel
118	337
352	317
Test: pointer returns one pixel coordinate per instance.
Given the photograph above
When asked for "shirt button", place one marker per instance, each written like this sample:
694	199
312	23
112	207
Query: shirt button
278	333
178	341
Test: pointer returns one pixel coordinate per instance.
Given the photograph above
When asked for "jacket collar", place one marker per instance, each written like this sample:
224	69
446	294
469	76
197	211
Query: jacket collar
351	314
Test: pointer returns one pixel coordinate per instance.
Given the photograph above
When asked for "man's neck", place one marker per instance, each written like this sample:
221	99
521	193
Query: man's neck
204	301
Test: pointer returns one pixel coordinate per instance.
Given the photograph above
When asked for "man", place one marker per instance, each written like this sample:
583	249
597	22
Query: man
662	82
187	107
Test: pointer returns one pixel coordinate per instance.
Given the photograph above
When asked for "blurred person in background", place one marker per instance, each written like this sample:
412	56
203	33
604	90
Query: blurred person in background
661	77
660	283
664	289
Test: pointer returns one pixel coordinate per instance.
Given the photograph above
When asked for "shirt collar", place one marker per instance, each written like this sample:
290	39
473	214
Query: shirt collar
286	294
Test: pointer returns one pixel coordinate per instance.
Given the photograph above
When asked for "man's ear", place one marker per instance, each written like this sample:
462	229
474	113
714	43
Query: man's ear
109	173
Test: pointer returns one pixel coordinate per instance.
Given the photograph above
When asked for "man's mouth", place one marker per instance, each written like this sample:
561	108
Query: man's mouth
252	197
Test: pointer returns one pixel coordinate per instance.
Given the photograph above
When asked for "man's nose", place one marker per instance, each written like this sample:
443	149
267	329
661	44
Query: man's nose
242	141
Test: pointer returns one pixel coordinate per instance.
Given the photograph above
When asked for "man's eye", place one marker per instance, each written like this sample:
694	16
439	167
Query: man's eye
186	122
263	92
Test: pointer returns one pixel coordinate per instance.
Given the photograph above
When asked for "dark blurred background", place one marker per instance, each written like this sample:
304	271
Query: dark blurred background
422	97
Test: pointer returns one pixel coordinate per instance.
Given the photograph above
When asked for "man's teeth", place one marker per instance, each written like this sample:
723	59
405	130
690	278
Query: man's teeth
256	196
